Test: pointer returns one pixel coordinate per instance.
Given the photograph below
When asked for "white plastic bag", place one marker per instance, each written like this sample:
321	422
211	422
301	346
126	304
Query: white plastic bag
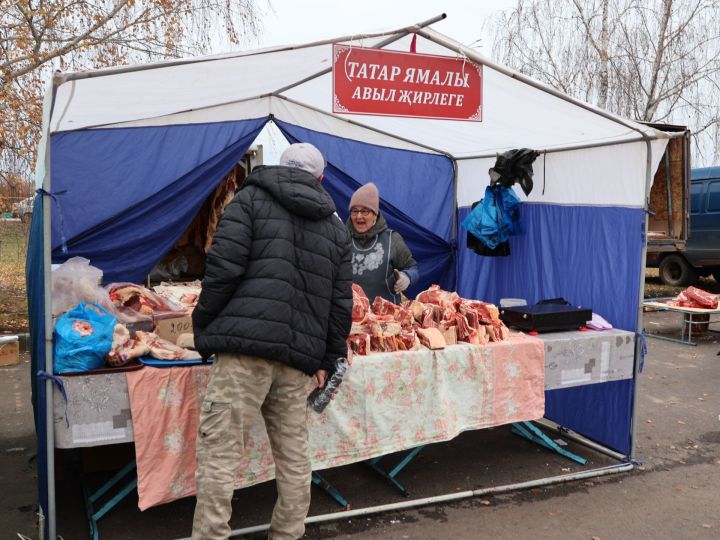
76	281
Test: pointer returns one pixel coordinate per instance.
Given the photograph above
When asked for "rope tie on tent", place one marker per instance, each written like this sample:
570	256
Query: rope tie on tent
61	222
347	58
464	60
643	350
57	381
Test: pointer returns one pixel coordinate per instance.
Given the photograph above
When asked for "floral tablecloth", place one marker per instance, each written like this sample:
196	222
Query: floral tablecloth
388	402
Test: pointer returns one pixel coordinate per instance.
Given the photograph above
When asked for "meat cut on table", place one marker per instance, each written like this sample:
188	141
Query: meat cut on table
162	349
139	299
693	297
436	318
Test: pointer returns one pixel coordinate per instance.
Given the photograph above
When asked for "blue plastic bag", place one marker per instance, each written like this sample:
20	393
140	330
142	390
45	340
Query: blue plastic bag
496	218
83	337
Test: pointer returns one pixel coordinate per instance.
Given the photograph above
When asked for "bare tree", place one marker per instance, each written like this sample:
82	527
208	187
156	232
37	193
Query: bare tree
651	60
39	36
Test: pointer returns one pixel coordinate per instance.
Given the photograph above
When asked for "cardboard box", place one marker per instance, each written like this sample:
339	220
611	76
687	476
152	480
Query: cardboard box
171	327
9	351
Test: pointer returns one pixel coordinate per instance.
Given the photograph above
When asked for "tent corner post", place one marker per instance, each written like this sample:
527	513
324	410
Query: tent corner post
50	513
641	295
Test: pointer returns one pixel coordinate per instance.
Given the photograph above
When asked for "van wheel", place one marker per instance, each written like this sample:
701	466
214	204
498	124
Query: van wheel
675	271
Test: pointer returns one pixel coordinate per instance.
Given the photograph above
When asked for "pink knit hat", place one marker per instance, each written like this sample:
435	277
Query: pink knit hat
366	196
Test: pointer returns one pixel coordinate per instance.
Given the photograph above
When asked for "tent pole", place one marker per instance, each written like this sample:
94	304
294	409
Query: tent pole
573	147
47	314
455	238
74	76
299	104
394	36
568	434
640	322
369	128
379	45
404	505
459	48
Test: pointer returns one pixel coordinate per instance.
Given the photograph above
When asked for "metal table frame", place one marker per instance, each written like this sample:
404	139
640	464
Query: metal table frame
526	429
115	496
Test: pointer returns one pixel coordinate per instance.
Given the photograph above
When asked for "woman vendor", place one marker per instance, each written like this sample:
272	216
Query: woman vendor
382	264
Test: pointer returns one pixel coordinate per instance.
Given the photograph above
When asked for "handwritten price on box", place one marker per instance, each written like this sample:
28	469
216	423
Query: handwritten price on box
170	329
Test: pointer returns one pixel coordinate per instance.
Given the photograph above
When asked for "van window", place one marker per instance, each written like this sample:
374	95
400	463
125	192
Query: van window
714	197
696	191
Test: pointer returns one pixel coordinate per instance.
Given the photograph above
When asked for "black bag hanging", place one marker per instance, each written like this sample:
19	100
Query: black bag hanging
514	166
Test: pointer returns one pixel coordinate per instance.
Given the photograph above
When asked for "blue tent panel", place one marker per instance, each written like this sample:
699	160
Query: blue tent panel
434	255
418	184
153	182
105	172
591	256
601	412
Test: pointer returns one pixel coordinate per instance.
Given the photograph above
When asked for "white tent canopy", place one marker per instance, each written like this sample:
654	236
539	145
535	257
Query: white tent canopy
591	154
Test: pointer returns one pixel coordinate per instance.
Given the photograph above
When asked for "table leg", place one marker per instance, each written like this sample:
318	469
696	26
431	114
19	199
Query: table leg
532	433
331	490
93	515
390	476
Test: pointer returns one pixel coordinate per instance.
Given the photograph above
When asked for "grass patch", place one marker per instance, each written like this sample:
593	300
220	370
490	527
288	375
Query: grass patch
13	302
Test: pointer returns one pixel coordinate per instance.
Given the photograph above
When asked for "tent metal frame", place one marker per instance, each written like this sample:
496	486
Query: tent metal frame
430	34
78	75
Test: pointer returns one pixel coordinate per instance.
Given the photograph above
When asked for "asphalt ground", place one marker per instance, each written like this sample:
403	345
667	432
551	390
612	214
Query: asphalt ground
673	493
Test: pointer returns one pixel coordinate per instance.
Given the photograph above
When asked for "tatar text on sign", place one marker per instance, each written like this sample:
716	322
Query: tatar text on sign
391	83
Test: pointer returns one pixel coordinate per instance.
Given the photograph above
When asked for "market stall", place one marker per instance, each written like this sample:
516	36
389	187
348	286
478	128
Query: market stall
156	160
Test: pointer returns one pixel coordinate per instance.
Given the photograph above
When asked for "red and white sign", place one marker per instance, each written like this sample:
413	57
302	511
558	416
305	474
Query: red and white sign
391	83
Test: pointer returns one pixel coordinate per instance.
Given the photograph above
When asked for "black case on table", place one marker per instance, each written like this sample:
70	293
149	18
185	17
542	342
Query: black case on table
545	317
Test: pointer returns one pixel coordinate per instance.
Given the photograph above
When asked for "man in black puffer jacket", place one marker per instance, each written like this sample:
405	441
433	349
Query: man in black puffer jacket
275	308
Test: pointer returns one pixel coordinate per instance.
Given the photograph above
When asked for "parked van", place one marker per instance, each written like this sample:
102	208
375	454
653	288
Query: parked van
701	256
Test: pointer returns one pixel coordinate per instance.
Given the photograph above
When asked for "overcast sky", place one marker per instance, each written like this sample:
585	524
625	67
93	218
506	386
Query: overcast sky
294	21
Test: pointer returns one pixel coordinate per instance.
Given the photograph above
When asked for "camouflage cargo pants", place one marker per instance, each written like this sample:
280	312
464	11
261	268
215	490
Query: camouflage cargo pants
239	389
